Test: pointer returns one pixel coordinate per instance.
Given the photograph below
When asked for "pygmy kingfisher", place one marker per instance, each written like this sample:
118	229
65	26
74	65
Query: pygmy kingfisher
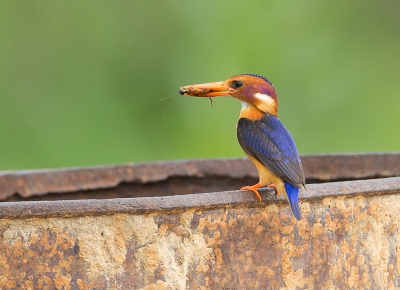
261	134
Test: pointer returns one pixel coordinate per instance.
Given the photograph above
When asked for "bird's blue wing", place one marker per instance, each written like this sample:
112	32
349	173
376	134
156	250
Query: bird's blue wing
269	142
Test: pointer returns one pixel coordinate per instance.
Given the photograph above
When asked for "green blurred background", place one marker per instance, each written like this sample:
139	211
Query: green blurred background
81	81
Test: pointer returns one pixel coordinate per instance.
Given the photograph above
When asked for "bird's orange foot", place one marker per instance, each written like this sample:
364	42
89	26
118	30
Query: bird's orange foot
253	189
274	187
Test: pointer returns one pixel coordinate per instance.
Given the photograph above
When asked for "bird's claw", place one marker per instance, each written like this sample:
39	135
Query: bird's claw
254	190
274	187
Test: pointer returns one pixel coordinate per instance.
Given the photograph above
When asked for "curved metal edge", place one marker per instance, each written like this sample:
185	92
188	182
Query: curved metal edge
145	205
317	168
41	182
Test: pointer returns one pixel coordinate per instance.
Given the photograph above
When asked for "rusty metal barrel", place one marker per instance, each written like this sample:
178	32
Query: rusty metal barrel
185	225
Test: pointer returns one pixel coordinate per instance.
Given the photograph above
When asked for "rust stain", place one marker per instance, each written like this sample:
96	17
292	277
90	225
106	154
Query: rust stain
194	174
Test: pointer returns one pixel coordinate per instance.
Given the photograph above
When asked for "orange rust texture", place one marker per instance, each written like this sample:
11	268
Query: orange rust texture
341	243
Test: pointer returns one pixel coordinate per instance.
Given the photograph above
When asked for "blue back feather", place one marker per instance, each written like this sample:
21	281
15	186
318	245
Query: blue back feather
270	143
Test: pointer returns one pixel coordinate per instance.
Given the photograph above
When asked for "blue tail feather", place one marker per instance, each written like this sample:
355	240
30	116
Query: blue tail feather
293	196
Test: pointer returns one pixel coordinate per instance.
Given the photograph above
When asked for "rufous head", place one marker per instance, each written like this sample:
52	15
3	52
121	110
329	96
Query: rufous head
251	89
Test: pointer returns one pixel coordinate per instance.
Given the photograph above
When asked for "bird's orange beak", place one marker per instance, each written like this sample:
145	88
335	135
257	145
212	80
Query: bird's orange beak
206	90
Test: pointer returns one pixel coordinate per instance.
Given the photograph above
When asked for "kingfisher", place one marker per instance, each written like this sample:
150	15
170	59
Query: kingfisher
261	134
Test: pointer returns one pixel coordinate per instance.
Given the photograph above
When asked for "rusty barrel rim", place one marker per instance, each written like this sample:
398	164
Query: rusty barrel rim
323	168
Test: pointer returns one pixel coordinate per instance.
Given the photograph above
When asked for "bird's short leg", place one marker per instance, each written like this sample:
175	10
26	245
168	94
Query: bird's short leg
274	187
253	189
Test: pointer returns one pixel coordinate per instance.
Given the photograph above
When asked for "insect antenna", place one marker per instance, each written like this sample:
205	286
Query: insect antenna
165	99
168	105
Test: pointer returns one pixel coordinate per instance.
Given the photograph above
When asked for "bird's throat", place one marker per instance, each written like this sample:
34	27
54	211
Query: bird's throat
250	112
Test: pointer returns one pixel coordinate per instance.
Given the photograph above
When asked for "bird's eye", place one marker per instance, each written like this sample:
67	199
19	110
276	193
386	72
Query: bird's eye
236	84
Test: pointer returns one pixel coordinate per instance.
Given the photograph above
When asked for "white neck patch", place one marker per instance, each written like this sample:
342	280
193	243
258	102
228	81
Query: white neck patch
265	98
266	104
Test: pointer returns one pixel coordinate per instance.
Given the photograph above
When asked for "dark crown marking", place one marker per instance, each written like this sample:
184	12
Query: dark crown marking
256	75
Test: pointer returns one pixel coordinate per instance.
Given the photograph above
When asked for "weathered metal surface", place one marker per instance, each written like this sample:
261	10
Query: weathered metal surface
341	243
166	178
348	237
323	168
203	201
41	182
